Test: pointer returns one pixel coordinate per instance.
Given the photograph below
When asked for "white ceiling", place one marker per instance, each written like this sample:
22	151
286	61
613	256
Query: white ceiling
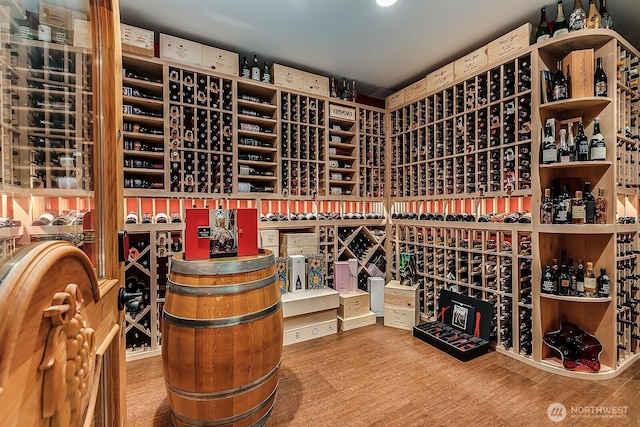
383	49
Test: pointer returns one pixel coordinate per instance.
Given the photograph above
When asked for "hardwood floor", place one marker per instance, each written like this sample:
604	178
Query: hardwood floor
380	376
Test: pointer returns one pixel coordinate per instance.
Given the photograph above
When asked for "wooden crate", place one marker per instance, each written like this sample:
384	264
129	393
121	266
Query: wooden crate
309	302
470	63
366	319
402	318
137	40
298	244
220	61
310	327
394	100
180	50
578	68
316	84
353	304
512	42
310	319
401	296
415	91
287	77
440	78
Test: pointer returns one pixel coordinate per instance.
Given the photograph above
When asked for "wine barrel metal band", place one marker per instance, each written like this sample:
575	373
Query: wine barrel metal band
221	322
222	267
206	396
233	288
233	419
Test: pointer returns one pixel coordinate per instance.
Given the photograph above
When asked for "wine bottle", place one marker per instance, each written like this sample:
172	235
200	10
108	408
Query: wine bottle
560	89
255	69
565	281
354	93
546	285
546	208
604	284
594	20
555	276
345	90
562	207
333	92
590	283
564	154
266	73
578	18
597	145
578	209
600	208
549	148
572	278
607	20
582	144
589	204
580	278
560	26
571	146
600	80
543	28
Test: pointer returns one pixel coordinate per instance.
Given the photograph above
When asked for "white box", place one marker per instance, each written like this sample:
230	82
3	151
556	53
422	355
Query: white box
180	50
357	322
137	40
376	294
341	276
309	302
310	332
297	273
310	319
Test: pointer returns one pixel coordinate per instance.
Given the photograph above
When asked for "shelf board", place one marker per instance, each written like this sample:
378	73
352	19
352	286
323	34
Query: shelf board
342	183
259	135
147	154
341	157
256	149
568	165
7	233
53	230
170	226
575	104
142	83
574	299
258	163
576	228
345	133
493	226
144	101
257	120
256	178
342	145
143	136
554	365
258	106
144	171
138	119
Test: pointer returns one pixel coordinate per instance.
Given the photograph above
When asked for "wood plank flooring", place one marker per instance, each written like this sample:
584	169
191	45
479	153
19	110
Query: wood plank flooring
380	376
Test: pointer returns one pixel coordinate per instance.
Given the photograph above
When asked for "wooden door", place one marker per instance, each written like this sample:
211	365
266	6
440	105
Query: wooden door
61	354
61	341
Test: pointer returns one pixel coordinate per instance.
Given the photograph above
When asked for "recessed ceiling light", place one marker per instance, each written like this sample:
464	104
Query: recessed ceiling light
385	3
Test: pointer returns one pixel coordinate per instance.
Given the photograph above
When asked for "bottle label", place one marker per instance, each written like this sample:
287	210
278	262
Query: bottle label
549	155
580	286
598	153
565	285
543	37
255	73
559	92
561	216
601	89
578	212
605	289
590	285
560	32
547	286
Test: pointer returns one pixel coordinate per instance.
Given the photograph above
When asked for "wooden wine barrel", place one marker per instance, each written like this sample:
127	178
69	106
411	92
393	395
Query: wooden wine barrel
222	340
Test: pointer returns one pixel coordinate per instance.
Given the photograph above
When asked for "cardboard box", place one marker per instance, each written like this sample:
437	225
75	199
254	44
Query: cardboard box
401	296
282	274
269	238
366	319
341	276
353	304
315	271
402	318
299	244
54	16
137	40
376	294
512	42
220	61
578	68
287	77
297	276
353	275
180	50
394	100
